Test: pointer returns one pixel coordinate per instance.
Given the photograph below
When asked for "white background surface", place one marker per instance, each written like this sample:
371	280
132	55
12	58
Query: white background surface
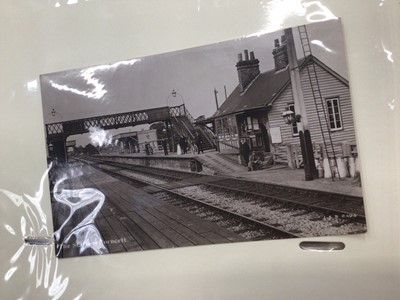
38	37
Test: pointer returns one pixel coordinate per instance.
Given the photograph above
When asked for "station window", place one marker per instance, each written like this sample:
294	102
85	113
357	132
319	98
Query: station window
249	124
295	129
232	125
226	126
252	124
335	118
218	125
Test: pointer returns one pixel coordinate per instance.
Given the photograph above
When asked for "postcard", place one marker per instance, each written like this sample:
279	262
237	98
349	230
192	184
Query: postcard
251	139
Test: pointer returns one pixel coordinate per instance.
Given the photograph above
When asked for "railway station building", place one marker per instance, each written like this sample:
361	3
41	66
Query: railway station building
133	142
253	111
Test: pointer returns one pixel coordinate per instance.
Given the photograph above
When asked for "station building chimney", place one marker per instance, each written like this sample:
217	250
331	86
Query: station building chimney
247	68
280	54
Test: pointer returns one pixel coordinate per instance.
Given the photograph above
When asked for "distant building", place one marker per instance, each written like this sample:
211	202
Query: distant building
148	136
253	111
70	146
126	142
132	142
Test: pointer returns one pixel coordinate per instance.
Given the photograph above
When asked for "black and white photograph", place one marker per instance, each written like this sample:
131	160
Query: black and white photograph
245	140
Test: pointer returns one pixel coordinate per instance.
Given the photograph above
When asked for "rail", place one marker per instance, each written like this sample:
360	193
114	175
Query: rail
346	154
187	129
207	132
181	132
229	145
181	111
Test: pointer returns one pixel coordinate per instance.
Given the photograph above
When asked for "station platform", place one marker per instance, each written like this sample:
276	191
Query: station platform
130	219
277	174
283	175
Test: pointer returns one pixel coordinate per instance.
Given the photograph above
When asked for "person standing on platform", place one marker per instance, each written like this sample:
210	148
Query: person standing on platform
182	144
245	151
185	145
199	144
165	146
178	149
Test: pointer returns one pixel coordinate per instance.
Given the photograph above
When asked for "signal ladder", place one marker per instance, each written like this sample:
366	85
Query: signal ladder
318	101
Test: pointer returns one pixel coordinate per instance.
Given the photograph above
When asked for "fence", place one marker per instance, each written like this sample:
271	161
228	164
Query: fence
346	159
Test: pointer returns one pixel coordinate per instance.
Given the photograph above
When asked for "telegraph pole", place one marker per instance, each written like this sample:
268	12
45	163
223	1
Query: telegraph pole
300	108
226	96
216	98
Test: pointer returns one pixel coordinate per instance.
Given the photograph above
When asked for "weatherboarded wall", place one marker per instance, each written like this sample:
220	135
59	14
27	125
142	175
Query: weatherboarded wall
330	86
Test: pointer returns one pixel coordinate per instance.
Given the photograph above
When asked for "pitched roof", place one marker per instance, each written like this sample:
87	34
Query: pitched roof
258	93
264	89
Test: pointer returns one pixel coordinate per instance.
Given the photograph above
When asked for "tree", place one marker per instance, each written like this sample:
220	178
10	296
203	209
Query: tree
78	150
90	150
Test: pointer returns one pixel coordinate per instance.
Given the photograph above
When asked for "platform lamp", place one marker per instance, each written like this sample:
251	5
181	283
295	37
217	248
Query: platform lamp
289	117
174	94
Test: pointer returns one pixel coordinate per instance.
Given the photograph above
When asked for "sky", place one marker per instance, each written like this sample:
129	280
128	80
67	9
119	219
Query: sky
141	83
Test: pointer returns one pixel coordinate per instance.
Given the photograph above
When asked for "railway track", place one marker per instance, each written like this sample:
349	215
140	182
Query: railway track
247	227
290	210
328	203
167	174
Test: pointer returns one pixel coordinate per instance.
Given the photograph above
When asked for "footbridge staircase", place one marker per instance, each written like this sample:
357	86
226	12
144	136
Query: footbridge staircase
184	124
